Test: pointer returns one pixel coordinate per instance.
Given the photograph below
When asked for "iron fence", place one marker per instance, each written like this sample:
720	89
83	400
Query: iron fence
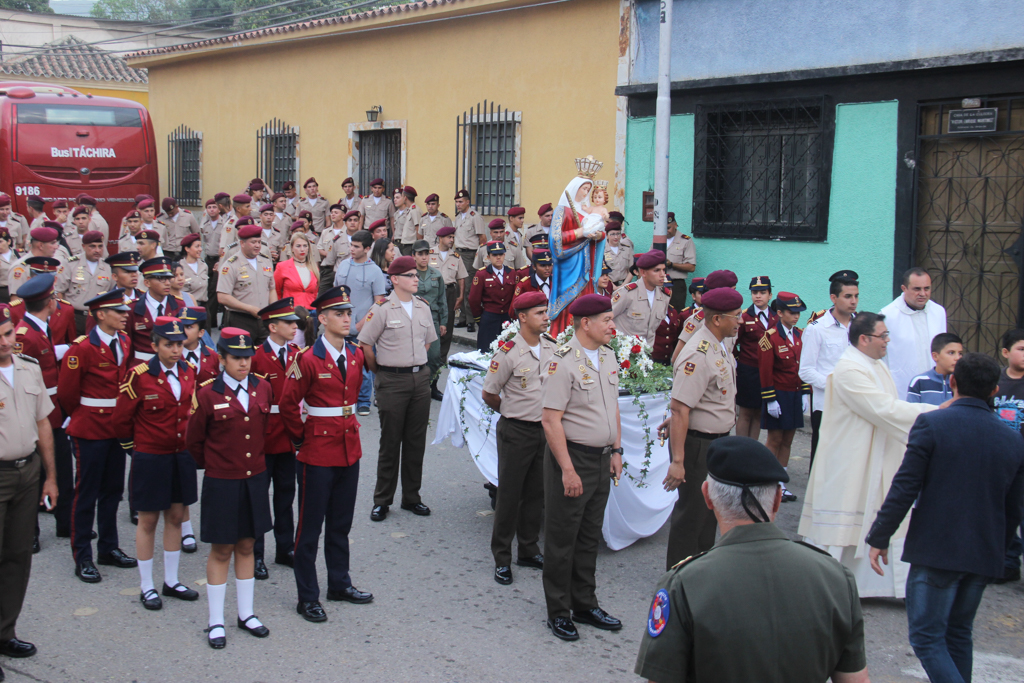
277	153
184	166
487	157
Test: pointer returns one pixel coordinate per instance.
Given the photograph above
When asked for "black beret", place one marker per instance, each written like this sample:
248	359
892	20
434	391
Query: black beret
742	461
843	275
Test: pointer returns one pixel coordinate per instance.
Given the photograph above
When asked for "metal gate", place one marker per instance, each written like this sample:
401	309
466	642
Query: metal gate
969	217
380	156
184	158
277	154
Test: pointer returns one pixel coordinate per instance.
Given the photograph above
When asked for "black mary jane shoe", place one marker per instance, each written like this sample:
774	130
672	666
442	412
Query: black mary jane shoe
186	545
537	562
151	600
503	575
216	642
260	631
260	571
176	591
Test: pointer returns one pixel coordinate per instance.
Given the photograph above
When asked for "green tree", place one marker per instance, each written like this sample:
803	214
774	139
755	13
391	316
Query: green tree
153	11
295	11
216	11
39	6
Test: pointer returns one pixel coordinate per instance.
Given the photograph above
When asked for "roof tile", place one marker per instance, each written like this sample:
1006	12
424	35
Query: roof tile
71	58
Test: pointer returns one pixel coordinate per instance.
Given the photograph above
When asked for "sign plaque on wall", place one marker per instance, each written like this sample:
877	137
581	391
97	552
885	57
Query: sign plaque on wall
648	207
981	120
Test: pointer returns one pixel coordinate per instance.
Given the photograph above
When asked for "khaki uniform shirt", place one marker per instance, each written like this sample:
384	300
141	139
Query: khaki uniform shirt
534	229
407	224
18	227
588	394
518	376
196	281
337	249
98	222
210	231
351	204
321	211
19	273
633	311
228	232
183	223
161	230
468	226
619	263
400	342
250	286
6	265
81	284
126	242
515	251
429	225
24	404
451	266
291	207
282	231
704	378
680	251
375	211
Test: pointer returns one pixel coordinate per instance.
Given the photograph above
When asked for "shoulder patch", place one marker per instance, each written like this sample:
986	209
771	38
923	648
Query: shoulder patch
765	344
30	359
21	330
690	326
685	237
703	346
657	617
815	316
524	278
140	368
699	315
74	258
234	257
547	336
631	286
682	563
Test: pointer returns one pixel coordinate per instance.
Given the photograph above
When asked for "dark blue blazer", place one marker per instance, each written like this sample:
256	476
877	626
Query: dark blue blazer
965	469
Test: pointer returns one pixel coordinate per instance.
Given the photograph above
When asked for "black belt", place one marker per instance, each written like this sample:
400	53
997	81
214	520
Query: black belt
451	284
16	464
593	450
78	312
704	435
466	250
400	371
527	423
247	315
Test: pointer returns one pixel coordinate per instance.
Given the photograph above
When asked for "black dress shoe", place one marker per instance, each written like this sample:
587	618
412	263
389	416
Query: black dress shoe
537	562
219	642
287	559
151	600
598	618
134	516
1009	575
379	513
351	594
312	611
492	491
436	394
35	545
562	627
471	328
180	591
188	543
460	323
63	533
87	572
417	509
503	575
260	631
117	558
260	573
17	648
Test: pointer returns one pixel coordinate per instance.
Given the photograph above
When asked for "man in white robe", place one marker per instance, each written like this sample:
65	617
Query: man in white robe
913	320
864	430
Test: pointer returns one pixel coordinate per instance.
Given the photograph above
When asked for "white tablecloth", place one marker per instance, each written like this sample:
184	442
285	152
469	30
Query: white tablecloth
633	512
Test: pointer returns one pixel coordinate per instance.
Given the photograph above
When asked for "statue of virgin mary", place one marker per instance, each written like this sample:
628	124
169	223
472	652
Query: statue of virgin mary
577	245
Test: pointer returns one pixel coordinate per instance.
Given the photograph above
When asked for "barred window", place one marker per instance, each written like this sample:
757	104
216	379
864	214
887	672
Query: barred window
184	164
488	142
762	169
277	154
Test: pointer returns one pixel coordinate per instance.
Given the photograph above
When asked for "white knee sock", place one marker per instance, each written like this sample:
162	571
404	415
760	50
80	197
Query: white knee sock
246	589
215	596
171	567
186	528
146	574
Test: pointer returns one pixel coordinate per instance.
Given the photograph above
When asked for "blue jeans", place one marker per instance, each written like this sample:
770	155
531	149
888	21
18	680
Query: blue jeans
940	613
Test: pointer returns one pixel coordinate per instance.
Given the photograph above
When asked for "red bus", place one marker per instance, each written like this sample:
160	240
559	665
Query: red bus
56	143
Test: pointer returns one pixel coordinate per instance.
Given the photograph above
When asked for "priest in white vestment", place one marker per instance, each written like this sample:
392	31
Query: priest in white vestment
913	320
864	428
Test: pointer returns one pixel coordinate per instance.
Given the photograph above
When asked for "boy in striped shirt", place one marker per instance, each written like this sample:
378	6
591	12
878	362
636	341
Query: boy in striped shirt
932	386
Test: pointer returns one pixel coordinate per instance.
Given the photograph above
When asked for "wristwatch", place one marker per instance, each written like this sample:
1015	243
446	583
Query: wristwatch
617	450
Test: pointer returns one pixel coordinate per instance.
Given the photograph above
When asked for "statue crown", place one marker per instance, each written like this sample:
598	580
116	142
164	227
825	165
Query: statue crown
588	167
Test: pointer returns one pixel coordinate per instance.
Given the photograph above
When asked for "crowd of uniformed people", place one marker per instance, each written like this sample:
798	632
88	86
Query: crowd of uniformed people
319	306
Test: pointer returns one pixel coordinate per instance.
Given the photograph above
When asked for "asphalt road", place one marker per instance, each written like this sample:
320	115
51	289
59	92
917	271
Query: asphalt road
438	615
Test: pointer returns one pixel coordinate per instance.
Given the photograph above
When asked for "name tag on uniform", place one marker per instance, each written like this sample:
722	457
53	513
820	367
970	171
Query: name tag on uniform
218	406
324	375
394	323
636	314
150	397
140	326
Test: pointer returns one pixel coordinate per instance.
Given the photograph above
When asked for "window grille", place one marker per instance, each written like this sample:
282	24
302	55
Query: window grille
184	163
487	150
277	154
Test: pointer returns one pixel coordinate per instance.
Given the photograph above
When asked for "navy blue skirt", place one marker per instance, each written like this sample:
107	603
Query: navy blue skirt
792	416
233	509
156	481
748	386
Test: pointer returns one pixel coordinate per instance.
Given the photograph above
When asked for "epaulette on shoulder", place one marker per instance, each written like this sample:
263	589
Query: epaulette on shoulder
63	301
205	382
816	316
667	290
140	368
472	213
444	214
179	299
21	330
30	359
699	315
547	336
524	278
685	237
74	258
15	300
184	210
507	345
631	286
81	339
234	257
682	563
562	351
423	300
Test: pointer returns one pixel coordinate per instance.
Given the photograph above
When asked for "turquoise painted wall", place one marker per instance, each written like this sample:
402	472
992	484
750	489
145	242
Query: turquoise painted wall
862	209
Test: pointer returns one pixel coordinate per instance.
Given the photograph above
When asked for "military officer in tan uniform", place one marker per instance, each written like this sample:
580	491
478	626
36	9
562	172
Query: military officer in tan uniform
470	235
79	226
177	223
395	337
282	223
617	255
351	200
714	280
407	220
513	387
96	221
516	257
197	275
241	207
433	220
583	433
640	307
377	207
87	276
682	260
703	409
246	284
15	223
42	242
444	259
133	226
316	204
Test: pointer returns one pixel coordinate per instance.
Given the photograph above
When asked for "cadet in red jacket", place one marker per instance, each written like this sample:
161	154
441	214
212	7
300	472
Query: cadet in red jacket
784	396
491	295
93	369
226	437
327	377
157	302
755	321
535	279
272	360
150	419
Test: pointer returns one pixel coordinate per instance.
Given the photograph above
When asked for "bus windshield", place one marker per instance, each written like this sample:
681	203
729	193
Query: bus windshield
74	115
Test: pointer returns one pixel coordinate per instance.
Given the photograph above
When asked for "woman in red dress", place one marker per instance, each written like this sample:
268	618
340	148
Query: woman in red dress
295	277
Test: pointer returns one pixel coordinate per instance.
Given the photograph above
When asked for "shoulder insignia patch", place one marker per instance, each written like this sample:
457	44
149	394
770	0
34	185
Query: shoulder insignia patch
699	315
140	368
524	278
815	316
689	367
234	257
616	296
74	258
494	366
476	279
685	237
209	381
72	362
703	346
766	343
21	330
15	300
22	356
552	366
657	618
547	336
369	316
631	286
224	270
689	326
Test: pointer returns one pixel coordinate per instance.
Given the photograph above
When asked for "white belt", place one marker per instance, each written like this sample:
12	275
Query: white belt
275	410
99	402
144	356
332	411
52	391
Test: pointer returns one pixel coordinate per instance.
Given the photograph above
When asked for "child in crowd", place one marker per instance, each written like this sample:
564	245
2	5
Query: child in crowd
1009	406
932	386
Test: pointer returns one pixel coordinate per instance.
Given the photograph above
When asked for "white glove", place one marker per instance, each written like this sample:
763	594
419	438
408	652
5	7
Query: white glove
806	401
774	409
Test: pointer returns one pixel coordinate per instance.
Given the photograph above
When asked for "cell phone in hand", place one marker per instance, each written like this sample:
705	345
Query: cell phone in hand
47	503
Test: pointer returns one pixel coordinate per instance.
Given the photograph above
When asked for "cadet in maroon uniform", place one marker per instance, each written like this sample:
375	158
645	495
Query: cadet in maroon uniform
535	279
156	302
62	319
93	370
756	320
785	397
150	419
226	438
491	295
327	377
195	351
271	362
668	331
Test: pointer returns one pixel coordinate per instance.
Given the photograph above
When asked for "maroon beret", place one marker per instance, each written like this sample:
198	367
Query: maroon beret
60	204
309	180
276	196
86	200
210	202
188	240
376	181
617	216
544	208
496	223
352	213
5	200
247	231
432	198
141	198
462	194
720	278
266	207
402	264
529	300
45	234
445	231
132	214
92	237
241	199
590	304
288	185
651	259
55	225
221	195
148	235
410	190
376	224
298	225
339	206
307	214
168	202
146	204
244	220
722	299
516	211
257	184
612	225
80	211
348	181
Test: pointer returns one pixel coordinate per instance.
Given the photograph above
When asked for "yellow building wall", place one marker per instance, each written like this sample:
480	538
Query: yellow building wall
556	64
139	96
